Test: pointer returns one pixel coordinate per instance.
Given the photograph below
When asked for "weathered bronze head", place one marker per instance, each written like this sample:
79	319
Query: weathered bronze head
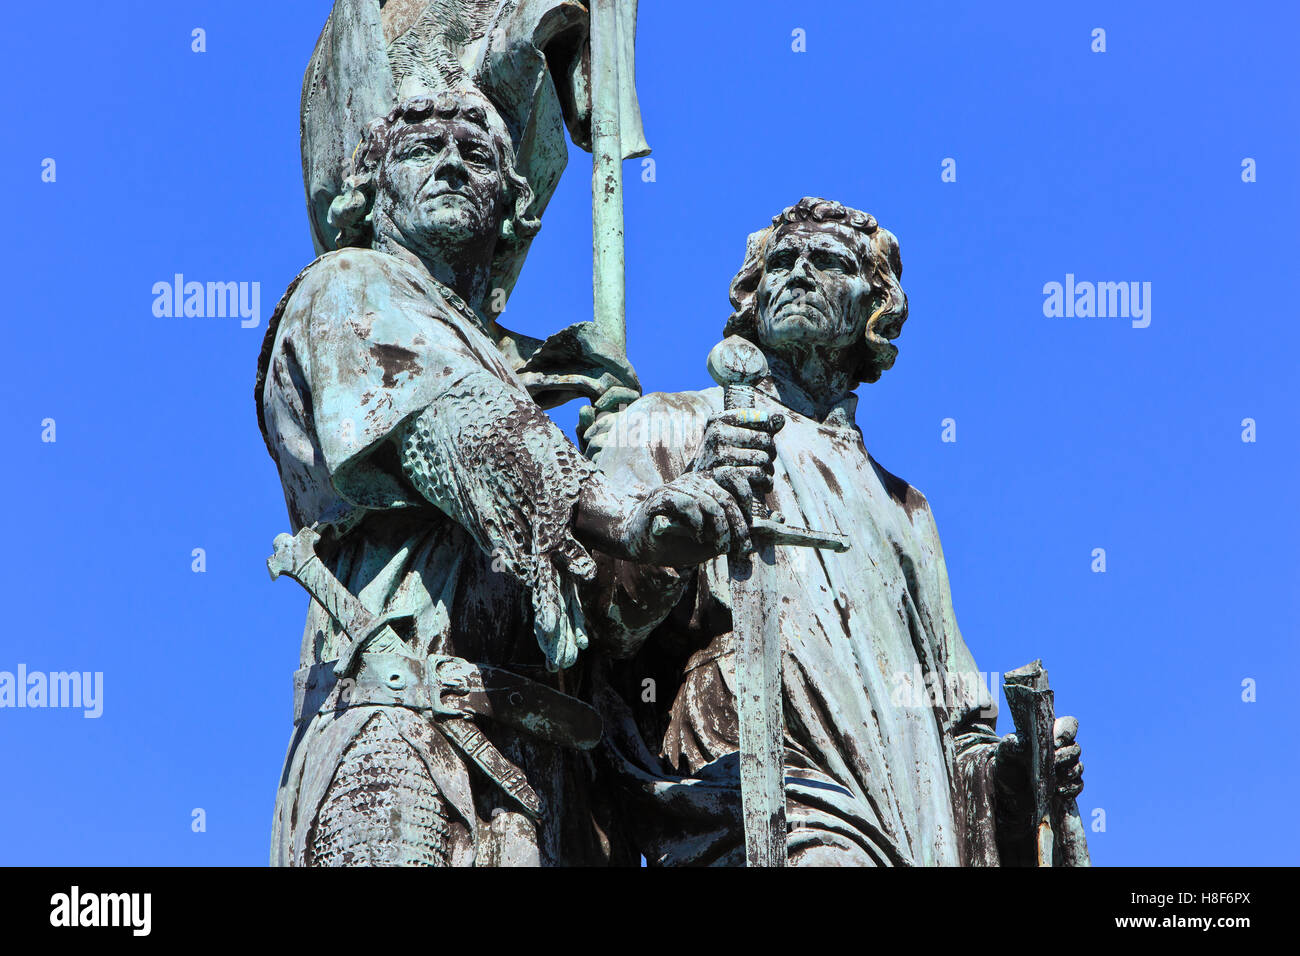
437	171
822	276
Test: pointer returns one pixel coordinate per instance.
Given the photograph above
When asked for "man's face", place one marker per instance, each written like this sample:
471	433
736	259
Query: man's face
443	184
813	293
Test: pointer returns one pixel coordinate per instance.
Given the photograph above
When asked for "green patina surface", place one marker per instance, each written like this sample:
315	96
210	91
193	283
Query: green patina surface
721	632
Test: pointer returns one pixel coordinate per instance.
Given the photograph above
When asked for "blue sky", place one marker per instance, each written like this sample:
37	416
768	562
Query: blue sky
1072	433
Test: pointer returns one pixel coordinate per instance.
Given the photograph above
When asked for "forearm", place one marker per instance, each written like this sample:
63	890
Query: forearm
976	801
627	599
601	517
994	814
626	602
493	462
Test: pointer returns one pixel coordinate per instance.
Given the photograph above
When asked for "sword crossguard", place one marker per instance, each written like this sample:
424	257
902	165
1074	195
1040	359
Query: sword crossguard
779	533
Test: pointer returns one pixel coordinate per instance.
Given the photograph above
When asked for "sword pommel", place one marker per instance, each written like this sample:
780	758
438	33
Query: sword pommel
736	361
292	552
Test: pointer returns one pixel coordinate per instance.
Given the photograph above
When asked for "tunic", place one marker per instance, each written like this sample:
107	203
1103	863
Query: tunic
878	770
395	420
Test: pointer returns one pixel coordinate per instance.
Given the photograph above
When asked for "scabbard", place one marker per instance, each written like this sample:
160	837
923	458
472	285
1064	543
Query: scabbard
482	753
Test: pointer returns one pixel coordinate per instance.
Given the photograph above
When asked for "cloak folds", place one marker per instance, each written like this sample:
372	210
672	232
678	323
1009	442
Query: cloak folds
878	772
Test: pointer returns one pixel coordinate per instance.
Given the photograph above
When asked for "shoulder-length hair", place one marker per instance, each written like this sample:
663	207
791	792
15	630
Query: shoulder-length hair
350	213
883	266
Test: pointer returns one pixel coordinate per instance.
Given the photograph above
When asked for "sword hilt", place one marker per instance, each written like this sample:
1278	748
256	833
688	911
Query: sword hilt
739	395
737	364
295	556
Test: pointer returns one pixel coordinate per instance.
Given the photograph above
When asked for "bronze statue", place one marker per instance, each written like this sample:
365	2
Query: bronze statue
489	605
872	776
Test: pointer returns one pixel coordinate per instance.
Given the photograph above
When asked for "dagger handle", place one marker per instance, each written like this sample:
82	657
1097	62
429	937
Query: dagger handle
296	557
317	581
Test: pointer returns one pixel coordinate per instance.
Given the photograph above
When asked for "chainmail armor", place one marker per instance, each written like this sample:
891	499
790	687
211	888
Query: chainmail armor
494	462
382	808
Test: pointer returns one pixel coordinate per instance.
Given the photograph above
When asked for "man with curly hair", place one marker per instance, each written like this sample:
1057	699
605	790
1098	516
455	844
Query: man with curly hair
402	419
891	756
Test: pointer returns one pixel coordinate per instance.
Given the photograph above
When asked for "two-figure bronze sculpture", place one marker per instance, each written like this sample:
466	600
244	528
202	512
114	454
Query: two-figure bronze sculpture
683	642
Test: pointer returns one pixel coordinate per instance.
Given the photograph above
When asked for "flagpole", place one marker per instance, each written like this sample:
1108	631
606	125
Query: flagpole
608	281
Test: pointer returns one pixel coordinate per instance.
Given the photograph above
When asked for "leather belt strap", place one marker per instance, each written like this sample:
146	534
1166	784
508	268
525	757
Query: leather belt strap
451	687
453	690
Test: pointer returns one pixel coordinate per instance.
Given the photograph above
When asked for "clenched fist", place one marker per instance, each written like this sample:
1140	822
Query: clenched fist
738	451
687	521
1013	763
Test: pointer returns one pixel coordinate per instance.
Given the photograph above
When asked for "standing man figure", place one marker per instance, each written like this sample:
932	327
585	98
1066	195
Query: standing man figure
452	508
891	756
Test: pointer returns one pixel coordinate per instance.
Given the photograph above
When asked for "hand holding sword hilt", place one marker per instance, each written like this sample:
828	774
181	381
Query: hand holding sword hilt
737	364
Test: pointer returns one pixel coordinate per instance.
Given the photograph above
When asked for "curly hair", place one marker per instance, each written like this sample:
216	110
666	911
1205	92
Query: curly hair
350	213
884	267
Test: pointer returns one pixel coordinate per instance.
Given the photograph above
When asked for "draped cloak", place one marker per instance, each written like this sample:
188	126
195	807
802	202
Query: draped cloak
879	771
361	345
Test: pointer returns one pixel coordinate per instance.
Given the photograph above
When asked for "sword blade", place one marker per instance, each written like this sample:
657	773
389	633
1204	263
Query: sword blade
737	365
758	703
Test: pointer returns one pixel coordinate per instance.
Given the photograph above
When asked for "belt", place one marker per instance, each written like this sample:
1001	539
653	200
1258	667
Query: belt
453	690
450	687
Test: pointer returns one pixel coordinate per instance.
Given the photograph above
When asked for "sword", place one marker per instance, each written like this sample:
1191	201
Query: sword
736	364
1059	835
295	557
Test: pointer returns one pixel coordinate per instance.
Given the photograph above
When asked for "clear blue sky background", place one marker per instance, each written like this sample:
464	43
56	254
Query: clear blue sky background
1073	434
